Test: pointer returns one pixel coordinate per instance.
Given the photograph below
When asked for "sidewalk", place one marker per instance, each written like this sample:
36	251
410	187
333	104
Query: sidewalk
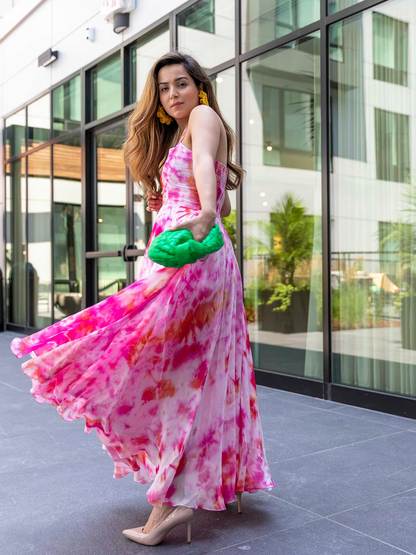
345	483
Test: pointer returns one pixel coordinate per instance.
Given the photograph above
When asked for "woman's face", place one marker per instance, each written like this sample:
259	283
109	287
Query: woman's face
178	93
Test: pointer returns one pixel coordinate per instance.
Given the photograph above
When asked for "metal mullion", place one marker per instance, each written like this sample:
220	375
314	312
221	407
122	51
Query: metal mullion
173	34
83	190
281	41
326	207
3	284
27	231
183	7
153	27
221	67
108	119
124	77
238	132
52	290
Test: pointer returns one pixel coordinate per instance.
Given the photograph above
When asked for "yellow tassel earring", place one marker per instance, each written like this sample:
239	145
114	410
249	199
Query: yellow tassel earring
203	98
163	116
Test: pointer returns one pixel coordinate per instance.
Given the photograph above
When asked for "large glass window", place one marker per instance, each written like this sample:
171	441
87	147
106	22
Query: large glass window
39	121
16	242
282	208
142	57
111	209
390	49
266	20
373	214
206	31
66	101
392	146
224	88
67	248
337	5
15	129
39	238
106	87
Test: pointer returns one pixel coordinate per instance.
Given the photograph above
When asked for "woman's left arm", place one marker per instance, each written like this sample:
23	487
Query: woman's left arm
205	130
204	125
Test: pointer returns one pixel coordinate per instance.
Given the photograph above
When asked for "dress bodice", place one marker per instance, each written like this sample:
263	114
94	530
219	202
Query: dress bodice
178	181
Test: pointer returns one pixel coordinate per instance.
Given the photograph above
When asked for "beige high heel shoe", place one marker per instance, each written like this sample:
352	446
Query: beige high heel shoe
239	494
179	515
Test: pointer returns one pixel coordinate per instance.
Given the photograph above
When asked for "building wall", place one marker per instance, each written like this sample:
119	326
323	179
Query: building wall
33	26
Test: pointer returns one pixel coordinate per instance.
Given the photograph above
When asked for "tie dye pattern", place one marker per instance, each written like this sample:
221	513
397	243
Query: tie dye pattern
163	369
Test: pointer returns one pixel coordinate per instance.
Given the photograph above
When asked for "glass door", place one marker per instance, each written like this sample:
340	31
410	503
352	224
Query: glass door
110	250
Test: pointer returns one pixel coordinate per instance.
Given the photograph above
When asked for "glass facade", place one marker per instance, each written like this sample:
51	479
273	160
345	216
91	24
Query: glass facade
266	20
67	229
323	226
16	242
15	134
67	107
206	31
337	5
111	210
106	87
39	238
282	208
38	121
373	212
142	57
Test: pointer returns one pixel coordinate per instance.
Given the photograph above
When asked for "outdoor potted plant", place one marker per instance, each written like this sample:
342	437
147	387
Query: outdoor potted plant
402	237
287	243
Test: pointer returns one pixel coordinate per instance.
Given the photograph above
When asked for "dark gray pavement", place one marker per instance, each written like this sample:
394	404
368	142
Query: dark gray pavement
345	483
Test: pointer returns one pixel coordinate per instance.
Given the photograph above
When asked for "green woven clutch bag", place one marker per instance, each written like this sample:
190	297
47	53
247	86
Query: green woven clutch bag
175	249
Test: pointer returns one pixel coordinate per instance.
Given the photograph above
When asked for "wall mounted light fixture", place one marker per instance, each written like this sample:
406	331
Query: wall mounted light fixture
118	12
121	22
47	57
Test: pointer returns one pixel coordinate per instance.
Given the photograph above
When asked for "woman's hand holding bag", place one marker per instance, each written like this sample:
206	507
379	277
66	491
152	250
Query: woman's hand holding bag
175	248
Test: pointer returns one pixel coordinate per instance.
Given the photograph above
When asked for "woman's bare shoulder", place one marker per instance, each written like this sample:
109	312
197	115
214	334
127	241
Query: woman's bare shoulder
204	114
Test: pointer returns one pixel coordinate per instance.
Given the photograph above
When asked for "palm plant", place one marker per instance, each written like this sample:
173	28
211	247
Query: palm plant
284	242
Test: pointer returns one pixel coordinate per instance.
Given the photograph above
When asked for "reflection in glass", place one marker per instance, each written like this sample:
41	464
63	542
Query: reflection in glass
16	242
337	5
224	88
143	56
373	208
267	20
282	209
390	38
106	87
67	250
66	101
206	31
39	239
38	121
111	209
15	127
111	276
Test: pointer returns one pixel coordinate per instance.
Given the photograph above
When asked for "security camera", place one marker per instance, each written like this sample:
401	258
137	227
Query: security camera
90	34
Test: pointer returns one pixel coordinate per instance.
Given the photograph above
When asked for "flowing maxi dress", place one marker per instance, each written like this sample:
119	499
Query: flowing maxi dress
163	369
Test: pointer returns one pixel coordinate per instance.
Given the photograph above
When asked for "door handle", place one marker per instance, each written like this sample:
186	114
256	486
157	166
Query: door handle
130	253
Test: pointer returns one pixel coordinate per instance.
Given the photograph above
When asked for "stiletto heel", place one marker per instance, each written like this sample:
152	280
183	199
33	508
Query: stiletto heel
239	494
188	524
179	515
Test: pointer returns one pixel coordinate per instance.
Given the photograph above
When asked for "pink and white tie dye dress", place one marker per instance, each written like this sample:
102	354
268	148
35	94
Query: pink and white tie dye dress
163	369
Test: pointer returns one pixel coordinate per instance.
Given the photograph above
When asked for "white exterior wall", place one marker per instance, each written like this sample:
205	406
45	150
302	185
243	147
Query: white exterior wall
33	26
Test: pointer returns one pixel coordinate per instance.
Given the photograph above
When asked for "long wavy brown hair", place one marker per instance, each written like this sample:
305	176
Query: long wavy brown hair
148	139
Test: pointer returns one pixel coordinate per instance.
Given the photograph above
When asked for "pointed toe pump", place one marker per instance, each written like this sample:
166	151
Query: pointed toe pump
179	515
239	494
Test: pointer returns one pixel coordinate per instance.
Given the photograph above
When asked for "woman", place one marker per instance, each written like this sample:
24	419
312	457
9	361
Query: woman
163	369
